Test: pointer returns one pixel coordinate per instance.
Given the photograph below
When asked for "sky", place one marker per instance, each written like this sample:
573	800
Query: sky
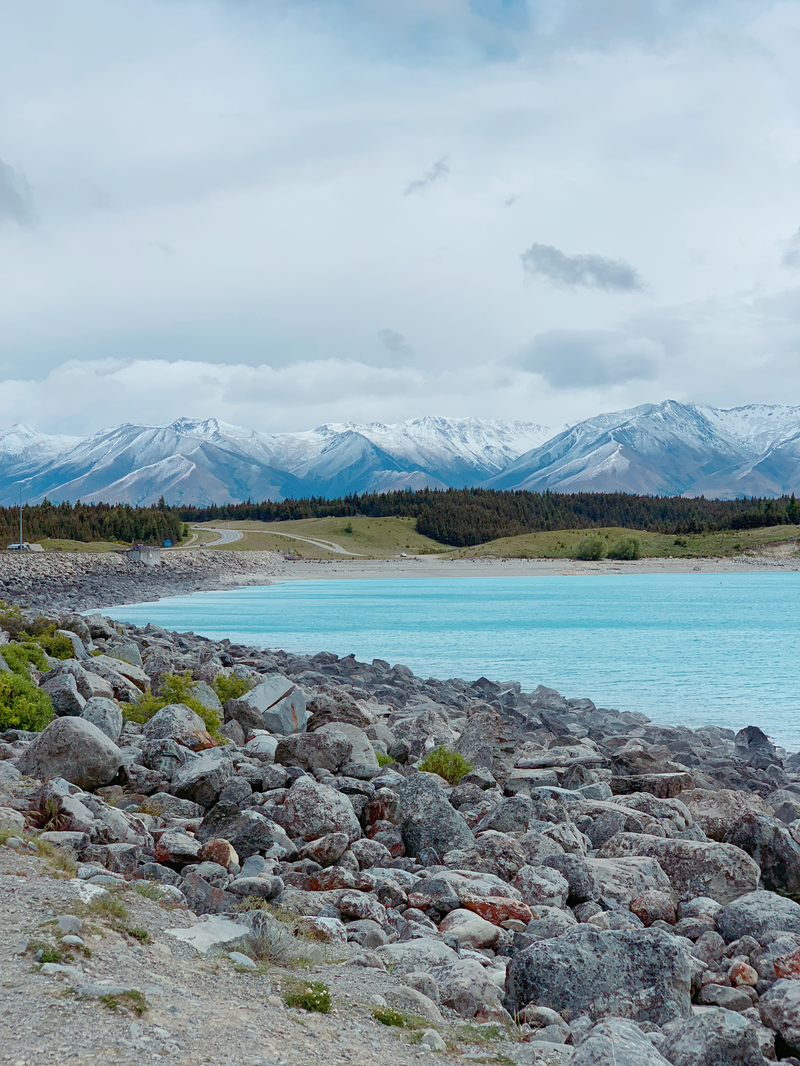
286	213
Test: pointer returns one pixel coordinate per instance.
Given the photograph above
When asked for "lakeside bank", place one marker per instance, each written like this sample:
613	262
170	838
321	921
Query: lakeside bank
85	581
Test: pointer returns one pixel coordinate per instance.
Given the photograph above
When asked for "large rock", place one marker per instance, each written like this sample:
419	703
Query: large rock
276	704
617	1043
63	692
313	810
780	1010
248	832
694	867
715	1037
362	762
201	779
427	820
771	845
74	749
542	887
643	975
622	880
326	750
105	714
174	720
716	812
755	913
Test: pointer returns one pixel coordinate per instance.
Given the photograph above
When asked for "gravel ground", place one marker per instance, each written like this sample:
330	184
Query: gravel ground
201	1009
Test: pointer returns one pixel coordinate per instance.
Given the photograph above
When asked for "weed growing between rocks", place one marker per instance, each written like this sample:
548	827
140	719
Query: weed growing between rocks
278	938
132	1000
174	688
61	860
447	764
230	687
311	996
383	760
400	1018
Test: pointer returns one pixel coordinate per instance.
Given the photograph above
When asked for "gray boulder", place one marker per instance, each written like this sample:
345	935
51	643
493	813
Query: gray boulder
174	720
643	975
63	691
105	714
617	1043
714	1037
757	912
542	886
74	749
327	749
780	1010
201	779
510	816
312	810
694	868
715	812
276	704
624	879
771	845
362	762
427	820
248	831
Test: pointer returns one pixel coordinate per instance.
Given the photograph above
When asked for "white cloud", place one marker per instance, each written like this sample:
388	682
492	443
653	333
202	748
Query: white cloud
221	227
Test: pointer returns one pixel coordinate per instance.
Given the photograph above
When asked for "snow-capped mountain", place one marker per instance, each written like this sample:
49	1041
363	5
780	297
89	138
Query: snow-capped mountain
206	461
668	449
661	449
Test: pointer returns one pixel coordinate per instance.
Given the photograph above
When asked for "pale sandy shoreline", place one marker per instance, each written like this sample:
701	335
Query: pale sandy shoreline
433	567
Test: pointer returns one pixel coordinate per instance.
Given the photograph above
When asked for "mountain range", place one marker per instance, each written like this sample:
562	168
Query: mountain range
667	448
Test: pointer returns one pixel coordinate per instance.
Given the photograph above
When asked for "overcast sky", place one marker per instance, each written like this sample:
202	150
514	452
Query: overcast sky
287	213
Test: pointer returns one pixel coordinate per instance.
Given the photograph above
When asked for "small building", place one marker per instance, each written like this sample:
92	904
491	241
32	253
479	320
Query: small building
25	547
143	553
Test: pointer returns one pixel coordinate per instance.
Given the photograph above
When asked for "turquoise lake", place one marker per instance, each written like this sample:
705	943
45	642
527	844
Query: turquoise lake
690	649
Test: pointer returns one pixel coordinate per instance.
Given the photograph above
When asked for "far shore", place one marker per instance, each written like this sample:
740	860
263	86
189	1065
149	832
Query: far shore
429	566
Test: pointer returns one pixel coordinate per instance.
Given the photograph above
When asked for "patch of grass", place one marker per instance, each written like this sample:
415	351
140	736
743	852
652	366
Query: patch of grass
48	952
132	1000
479	1035
400	1018
278	938
230	687
136	932
61	859
311	996
174	688
108	906
446	763
148	890
383	760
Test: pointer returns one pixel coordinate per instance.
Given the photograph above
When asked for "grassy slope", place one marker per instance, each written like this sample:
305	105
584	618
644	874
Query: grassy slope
377	538
563	543
81	546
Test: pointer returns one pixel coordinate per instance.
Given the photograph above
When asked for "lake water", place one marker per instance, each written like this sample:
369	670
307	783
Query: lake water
690	649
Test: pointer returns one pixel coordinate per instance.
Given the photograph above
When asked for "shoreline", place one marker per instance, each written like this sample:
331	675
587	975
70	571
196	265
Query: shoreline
87	581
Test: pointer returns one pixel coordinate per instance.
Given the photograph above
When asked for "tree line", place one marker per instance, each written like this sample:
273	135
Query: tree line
457	517
92	521
463	517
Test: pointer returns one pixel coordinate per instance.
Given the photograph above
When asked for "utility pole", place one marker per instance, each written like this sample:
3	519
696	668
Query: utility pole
24	481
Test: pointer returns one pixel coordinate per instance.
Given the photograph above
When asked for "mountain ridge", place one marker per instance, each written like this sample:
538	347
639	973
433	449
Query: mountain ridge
667	448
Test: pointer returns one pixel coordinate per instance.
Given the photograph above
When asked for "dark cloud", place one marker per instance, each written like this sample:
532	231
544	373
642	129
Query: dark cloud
16	198
440	169
791	255
589	271
585	359
394	342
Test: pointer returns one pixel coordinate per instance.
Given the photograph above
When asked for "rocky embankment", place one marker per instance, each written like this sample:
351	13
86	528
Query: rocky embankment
81	581
601	890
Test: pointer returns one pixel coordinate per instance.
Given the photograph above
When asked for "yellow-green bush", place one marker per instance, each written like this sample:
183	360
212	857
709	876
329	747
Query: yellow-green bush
447	764
230	687
174	688
22	704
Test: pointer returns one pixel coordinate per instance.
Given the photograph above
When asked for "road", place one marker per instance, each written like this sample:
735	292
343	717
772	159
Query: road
328	545
226	536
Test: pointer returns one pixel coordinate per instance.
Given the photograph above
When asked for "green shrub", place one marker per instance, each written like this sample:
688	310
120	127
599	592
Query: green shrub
230	687
56	644
447	764
593	547
402	1019
19	656
383	760
41	631
22	704
312	995
626	548
175	688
